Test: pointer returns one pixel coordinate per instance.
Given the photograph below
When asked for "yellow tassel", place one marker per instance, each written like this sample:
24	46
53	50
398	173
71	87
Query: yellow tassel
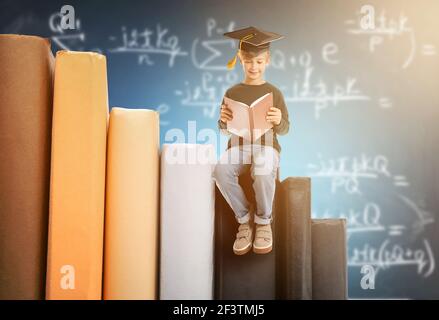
231	63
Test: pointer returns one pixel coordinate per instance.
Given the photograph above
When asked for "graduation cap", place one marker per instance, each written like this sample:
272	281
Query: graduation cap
252	40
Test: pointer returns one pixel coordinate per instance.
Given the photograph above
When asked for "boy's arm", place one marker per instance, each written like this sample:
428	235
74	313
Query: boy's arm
284	126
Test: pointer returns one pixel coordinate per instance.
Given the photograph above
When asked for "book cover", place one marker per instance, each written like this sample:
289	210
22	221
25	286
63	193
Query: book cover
26	78
249	121
77	182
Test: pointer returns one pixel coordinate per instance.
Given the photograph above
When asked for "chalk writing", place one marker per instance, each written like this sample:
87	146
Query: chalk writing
142	44
346	172
390	28
306	89
389	255
208	95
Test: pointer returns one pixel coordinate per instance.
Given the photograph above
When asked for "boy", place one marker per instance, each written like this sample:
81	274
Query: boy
262	156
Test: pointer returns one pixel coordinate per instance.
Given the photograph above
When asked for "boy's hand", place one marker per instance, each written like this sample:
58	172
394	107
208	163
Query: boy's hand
226	113
274	116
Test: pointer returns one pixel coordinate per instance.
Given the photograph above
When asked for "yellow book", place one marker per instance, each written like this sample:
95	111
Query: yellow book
132	205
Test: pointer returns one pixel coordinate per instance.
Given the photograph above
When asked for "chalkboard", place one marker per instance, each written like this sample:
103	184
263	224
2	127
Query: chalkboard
363	105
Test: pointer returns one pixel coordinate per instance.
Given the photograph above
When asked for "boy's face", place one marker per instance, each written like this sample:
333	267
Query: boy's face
254	66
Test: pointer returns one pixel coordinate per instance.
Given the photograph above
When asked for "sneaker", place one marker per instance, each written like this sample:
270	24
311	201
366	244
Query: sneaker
243	242
263	239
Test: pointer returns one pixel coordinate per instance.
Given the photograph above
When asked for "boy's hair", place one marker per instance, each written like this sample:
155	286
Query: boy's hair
251	54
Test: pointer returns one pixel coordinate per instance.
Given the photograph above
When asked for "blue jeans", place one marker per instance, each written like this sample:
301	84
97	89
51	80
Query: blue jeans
263	161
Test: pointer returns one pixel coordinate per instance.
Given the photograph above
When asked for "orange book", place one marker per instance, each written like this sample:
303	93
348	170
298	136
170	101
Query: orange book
249	120
77	184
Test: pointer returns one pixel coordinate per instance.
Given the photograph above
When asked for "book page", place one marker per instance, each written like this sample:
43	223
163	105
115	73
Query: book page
240	124
259	109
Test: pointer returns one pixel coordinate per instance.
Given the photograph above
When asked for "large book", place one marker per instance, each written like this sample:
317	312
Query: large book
251	276
249	121
187	222
77	191
132	205
26	77
294	239
329	259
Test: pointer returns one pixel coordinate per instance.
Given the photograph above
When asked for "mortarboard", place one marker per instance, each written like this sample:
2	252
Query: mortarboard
251	39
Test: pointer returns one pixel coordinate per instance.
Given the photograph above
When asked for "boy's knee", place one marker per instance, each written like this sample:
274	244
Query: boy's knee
265	164
264	174
264	171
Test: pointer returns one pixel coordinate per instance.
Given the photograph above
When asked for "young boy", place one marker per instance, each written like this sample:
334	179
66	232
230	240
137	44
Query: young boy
261	156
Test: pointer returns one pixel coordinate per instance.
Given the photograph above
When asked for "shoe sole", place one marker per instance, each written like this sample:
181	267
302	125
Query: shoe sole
262	250
242	251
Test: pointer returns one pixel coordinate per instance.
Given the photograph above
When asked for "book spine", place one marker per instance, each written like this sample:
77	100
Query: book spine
77	193
26	65
251	123
132	205
329	259
247	277
294	239
186	186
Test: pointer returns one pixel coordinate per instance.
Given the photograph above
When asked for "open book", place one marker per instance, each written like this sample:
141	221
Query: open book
249	121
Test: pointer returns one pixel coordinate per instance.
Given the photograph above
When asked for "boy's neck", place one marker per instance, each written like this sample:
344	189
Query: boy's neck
255	82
